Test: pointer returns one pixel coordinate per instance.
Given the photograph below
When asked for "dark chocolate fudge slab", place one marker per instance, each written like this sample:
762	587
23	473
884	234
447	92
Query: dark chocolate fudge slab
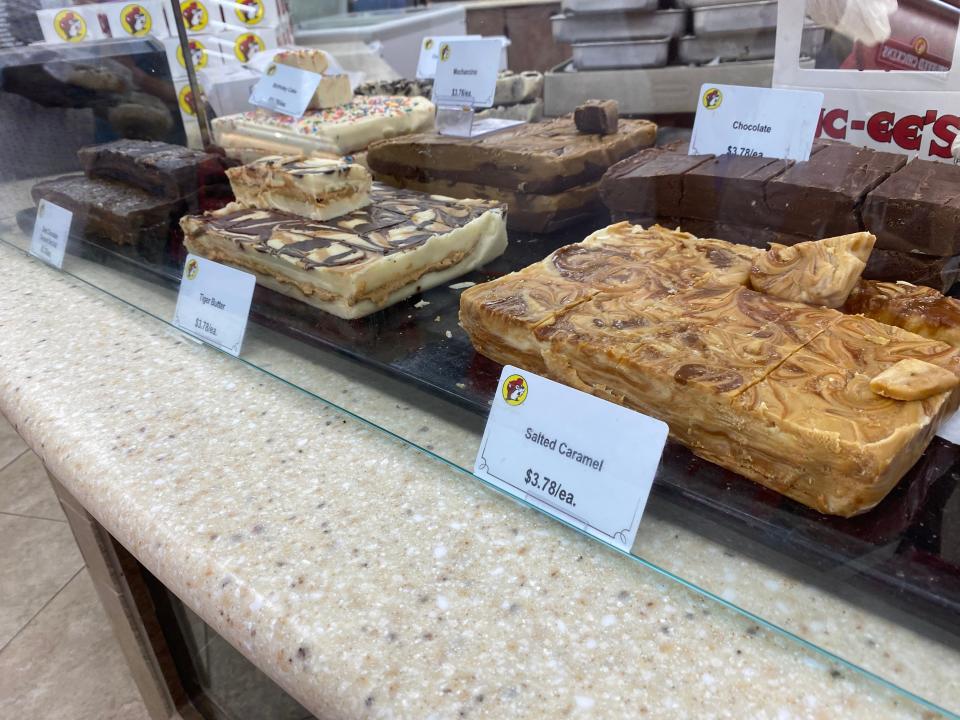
543	158
108	209
822	197
650	184
156	167
917	209
730	187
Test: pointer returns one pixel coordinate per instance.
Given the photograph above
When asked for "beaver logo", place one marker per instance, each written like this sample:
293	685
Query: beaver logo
249	12
195	15
246	46
515	390
136	20
198	53
712	98
193	269
920	45
70	26
444	52
185	96
428	44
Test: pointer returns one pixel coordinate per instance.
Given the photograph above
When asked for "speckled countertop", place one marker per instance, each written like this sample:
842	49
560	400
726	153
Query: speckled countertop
367	579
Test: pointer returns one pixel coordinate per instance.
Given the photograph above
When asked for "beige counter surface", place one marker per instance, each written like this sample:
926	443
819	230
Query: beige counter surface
368	579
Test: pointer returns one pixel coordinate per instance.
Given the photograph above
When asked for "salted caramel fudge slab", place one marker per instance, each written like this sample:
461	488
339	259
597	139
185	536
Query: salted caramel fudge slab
543	158
358	263
921	310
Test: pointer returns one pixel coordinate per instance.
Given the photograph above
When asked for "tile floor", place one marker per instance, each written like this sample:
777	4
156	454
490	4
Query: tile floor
58	656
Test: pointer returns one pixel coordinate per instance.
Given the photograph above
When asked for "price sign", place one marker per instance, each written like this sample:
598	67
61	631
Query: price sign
755	122
467	72
950	429
577	457
50	233
214	303
285	89
430	53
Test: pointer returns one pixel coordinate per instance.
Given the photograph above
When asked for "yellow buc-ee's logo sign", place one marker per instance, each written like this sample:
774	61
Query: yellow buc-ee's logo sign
197	52
70	26
712	98
444	52
514	389
193	269
249	12
136	20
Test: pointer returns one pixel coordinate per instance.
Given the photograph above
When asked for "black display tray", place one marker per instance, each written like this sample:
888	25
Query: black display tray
901	559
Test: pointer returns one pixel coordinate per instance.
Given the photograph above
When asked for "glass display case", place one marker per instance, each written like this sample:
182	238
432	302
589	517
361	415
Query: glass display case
801	486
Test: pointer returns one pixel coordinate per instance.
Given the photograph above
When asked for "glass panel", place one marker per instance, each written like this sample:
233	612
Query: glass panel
880	590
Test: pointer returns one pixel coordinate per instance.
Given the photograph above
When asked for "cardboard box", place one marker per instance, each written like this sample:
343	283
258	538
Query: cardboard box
204	48
71	25
135	19
241	45
200	17
909	111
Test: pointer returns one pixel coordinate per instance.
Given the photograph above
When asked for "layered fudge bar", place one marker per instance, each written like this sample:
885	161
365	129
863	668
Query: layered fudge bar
160	168
339	130
776	390
316	188
546	172
110	210
358	263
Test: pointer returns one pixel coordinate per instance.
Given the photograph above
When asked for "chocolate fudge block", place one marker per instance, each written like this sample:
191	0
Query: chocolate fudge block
543	158
599	117
156	167
650	184
106	209
917	209
823	196
729	187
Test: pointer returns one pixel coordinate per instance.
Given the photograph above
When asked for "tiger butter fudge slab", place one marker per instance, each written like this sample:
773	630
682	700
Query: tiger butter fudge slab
316	188
358	263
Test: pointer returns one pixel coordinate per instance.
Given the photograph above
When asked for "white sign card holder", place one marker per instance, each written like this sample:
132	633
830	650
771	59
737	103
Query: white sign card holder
578	457
285	89
51	232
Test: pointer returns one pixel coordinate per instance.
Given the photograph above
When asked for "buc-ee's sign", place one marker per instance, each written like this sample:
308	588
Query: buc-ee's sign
930	134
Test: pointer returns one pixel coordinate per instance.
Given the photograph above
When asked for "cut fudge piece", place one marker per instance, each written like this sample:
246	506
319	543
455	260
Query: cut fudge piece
649	184
919	309
599	117
340	130
358	263
333	90
822	197
913	380
729	187
537	158
818	272
157	167
112	211
917	209
316	188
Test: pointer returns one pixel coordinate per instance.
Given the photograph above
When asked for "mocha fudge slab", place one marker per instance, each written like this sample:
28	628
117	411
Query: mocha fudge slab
823	196
543	158
917	209
358	263
110	210
156	167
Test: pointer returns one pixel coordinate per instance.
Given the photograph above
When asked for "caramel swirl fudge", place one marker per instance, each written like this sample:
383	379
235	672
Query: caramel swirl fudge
916	308
827	408
358	263
315	188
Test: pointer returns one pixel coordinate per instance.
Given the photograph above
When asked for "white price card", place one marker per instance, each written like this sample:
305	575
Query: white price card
467	72
50	233
214	303
576	456
755	122
430	54
285	89
950	429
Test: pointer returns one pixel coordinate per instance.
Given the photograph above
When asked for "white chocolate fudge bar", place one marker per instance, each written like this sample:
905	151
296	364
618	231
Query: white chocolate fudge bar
402	244
333	89
340	130
315	188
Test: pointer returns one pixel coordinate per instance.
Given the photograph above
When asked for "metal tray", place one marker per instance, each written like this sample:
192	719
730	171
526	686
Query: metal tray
610	27
693	50
693	4
621	54
737	18
602	6
901	559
